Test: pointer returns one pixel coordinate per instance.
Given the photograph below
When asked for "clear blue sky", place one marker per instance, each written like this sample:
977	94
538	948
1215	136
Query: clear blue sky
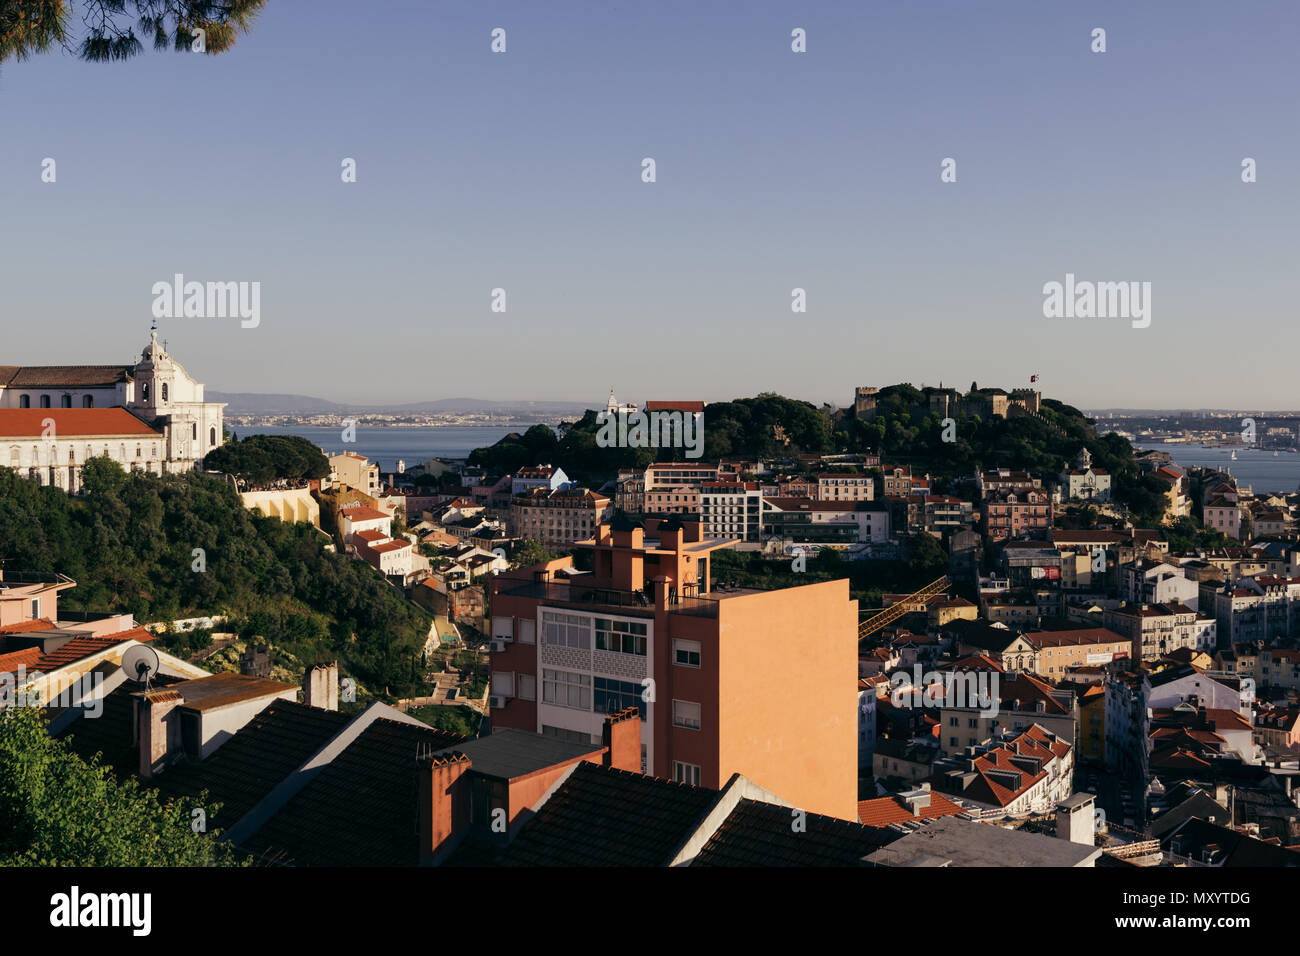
775	170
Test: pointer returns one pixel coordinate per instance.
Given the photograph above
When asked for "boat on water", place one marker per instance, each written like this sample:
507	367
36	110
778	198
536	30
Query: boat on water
1234	455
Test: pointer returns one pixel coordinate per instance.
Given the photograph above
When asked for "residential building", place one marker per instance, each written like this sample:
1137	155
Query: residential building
356	472
539	477
1223	514
558	518
1015	514
1005	479
899	480
1157	630
1157	582
719	663
843	486
731	510
1023	700
808	523
681	500
1015	776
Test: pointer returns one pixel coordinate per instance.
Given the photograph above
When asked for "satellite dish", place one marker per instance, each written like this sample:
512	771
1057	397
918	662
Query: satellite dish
140	663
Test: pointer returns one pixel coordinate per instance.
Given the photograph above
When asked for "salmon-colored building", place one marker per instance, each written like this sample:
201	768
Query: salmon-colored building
734	680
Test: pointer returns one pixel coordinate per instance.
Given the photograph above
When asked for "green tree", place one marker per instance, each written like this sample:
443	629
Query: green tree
530	551
102	476
35	26
59	810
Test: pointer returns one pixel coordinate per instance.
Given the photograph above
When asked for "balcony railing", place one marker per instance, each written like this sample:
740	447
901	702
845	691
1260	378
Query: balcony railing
576	594
34	577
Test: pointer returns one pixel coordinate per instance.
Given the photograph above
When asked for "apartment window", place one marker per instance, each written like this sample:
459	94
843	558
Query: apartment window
686	773
36	608
527	632
622	637
563	733
65	401
566	630
566	689
24	401
45	401
611	695
87	401
503	628
527	687
164	391
686	653
503	683
686	714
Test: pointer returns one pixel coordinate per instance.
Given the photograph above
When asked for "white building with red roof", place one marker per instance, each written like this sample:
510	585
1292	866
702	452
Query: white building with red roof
148	417
1029	773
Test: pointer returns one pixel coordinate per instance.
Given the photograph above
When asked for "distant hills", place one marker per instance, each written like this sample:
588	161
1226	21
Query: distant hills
261	403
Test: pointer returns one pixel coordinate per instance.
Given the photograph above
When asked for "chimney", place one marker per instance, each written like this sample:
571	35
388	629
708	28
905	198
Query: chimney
916	800
444	796
621	738
661	592
158	735
320	686
670	536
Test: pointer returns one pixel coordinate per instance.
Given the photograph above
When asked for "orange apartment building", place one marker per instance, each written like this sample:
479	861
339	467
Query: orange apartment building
728	681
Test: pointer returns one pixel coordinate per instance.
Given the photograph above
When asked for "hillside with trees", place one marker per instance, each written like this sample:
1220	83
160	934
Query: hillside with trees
134	542
770	425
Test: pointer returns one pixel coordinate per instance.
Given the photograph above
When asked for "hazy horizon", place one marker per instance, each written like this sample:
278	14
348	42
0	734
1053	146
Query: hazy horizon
775	170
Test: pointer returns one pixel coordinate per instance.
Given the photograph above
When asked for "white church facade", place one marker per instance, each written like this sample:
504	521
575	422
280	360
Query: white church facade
150	416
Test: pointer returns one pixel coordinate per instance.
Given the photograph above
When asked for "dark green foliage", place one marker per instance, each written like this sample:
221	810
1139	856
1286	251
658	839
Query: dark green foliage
130	546
1186	534
264	458
530	551
58	810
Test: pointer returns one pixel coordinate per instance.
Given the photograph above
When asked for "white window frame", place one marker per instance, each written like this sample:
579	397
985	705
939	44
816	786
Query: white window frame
688	773
527	686
681	645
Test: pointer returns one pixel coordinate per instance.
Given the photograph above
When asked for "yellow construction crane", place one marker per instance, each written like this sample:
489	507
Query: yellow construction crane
877	621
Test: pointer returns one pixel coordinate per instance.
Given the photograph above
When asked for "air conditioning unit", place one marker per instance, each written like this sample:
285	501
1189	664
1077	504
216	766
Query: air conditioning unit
498	646
497	700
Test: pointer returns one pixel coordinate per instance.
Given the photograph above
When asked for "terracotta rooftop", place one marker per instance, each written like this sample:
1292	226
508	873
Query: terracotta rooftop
883	811
363	513
73	423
